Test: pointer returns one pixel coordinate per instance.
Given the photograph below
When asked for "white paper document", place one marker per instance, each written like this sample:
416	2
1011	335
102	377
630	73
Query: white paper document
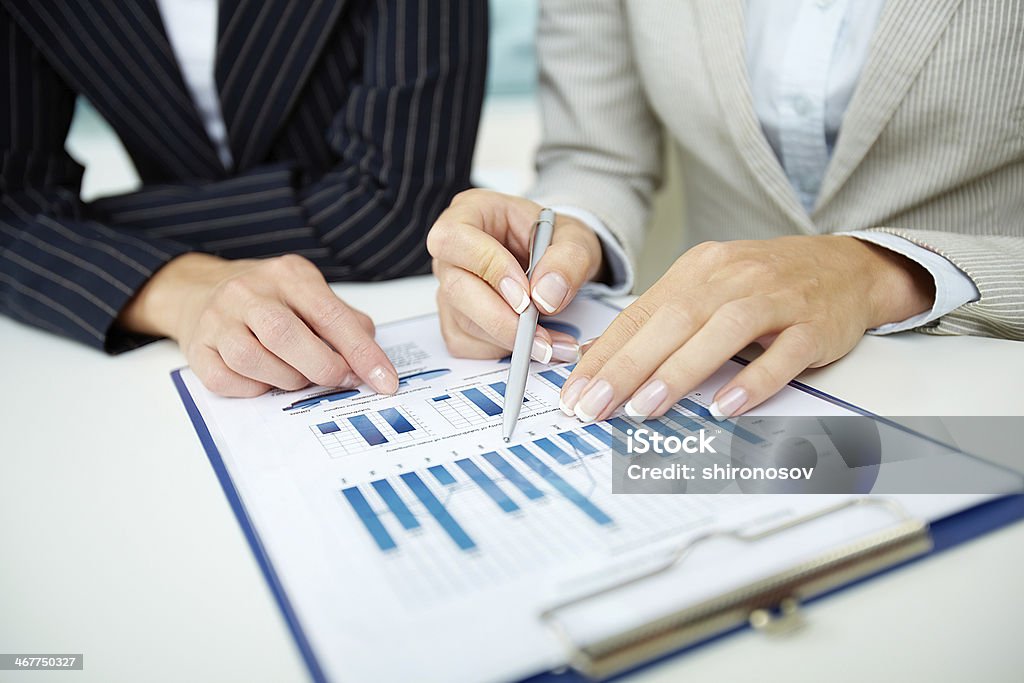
413	544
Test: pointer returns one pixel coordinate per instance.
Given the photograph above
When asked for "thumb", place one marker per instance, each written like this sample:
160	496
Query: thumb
573	258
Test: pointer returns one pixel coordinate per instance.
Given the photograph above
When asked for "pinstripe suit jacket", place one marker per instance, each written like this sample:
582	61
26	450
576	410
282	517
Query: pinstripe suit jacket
931	147
351	122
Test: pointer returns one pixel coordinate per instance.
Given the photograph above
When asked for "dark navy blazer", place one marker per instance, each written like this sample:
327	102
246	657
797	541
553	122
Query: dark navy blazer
351	123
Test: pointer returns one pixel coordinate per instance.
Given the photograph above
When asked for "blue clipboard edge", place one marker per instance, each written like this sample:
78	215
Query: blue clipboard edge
203	432
946	533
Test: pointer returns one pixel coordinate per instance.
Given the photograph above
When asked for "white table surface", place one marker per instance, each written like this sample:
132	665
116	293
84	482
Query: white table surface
118	543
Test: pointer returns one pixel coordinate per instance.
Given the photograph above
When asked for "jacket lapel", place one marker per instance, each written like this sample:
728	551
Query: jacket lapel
907	33
118	55
723	37
265	52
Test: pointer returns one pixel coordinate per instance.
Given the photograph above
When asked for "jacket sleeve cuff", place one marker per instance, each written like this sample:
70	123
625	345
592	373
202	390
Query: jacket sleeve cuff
621	271
953	288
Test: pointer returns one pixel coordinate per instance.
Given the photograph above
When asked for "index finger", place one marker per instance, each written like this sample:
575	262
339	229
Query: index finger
340	326
626	324
279	329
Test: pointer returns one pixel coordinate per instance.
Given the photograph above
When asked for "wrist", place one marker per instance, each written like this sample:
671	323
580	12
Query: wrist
157	309
900	288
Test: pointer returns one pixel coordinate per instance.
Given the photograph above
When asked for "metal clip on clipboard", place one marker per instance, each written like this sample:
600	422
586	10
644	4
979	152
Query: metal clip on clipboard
770	604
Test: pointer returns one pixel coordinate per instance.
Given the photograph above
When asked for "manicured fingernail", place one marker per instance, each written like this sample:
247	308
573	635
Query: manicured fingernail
566	352
514	294
383	380
541	351
571	394
594	401
729	404
647	400
351	381
550	292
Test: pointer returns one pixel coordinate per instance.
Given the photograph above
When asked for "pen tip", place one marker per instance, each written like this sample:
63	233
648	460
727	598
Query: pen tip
506	439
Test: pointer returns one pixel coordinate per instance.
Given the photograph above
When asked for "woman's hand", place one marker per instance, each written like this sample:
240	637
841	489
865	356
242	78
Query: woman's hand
249	325
481	245
807	300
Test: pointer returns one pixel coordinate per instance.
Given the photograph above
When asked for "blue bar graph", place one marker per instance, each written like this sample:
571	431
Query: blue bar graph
578	442
683	421
443	476
747	436
561	485
442	397
554	377
599	433
662	428
727	425
328	428
569	368
487	485
489	407
322	398
555	452
369	518
500	388
367	430
621	425
396	420
696	408
423	376
437	509
513	476
401	511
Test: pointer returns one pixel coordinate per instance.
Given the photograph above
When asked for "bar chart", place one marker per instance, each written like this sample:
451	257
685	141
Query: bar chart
422	376
556	376
676	419
317	399
479	405
498	515
728	425
511	480
491	515
357	433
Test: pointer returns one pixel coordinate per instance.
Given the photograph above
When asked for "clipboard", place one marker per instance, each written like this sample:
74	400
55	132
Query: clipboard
772	604
769	605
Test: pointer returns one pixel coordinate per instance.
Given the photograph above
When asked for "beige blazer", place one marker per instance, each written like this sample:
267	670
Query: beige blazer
931	147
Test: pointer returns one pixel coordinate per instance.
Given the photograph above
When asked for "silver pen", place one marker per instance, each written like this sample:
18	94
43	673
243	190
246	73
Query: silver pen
519	368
